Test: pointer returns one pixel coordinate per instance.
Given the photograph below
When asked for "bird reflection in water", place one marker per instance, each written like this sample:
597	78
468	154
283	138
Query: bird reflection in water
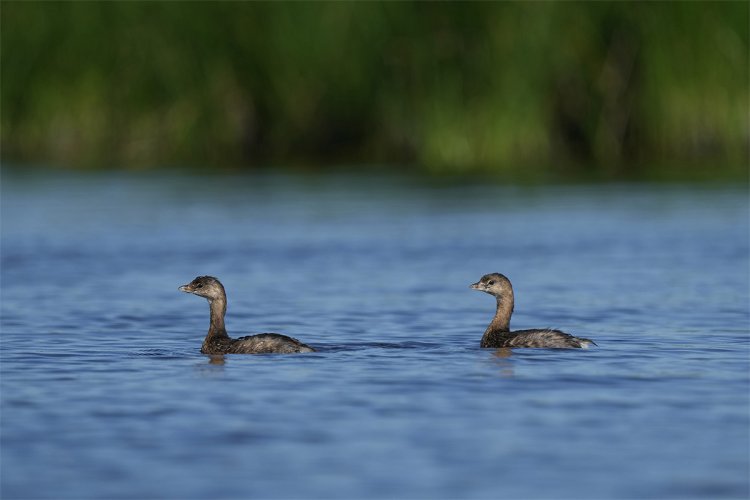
218	359
214	367
502	358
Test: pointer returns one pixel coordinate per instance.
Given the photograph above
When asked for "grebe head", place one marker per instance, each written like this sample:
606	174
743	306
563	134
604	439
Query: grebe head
205	286
495	284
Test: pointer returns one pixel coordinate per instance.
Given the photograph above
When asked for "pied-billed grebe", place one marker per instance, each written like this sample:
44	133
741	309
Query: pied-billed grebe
498	334
218	342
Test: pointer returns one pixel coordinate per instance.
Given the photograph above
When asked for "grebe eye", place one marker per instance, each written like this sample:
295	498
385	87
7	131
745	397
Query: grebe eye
199	285
491	282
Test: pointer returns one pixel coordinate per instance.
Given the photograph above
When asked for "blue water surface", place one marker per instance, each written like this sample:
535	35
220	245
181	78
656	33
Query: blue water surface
104	393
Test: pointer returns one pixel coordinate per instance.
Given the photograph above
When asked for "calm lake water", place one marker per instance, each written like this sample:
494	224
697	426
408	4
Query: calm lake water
106	395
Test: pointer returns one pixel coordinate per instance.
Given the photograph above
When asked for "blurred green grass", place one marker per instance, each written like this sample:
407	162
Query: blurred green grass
560	90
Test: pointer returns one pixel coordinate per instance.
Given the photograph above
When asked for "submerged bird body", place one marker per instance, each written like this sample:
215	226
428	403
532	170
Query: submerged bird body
262	343
548	338
498	332
217	340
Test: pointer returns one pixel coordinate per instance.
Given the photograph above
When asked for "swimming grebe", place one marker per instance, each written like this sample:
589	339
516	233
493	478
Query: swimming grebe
218	342
498	334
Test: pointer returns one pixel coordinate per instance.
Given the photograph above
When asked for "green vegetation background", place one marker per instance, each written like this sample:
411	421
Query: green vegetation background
524	90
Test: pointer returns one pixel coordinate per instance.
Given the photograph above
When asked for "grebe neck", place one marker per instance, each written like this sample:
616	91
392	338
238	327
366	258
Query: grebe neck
501	321
218	310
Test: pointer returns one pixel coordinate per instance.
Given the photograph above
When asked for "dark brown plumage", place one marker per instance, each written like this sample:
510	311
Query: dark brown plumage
498	333
217	340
